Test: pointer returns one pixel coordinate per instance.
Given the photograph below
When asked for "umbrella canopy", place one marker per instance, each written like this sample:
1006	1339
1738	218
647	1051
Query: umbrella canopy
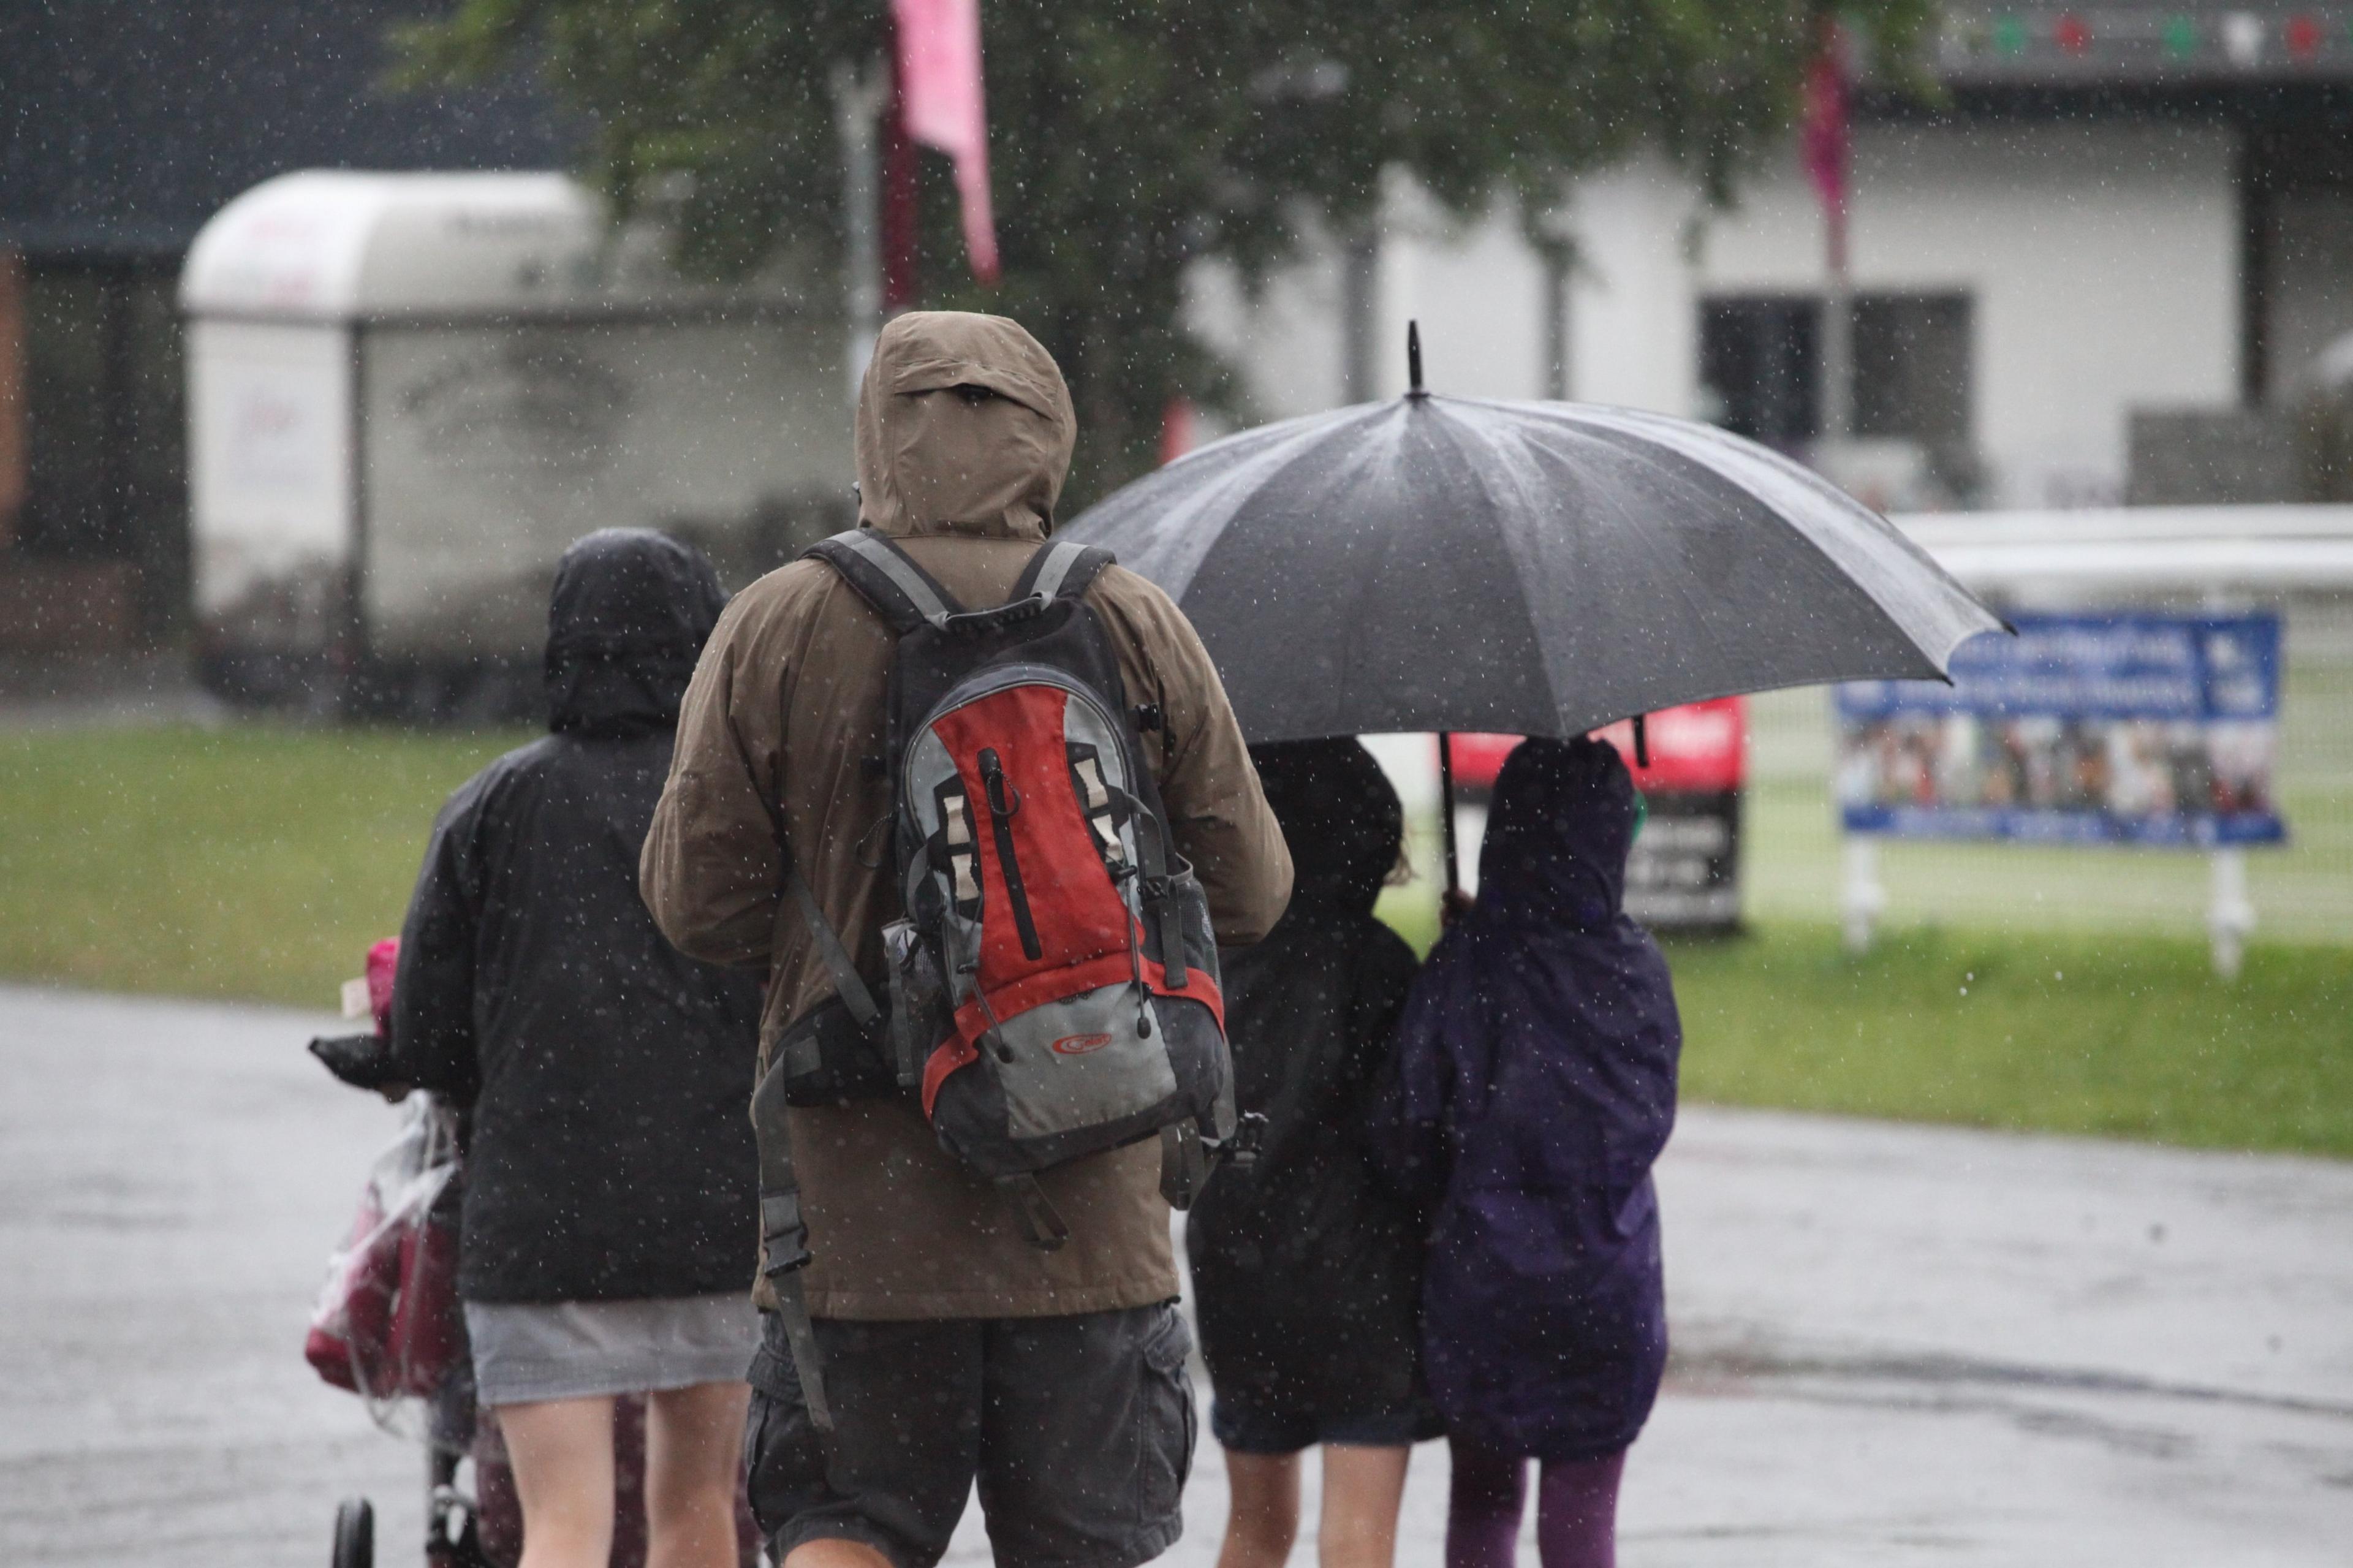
1534	568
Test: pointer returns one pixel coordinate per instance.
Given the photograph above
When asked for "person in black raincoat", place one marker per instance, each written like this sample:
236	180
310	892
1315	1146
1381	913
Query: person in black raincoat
1306	1268
610	1208
1534	1088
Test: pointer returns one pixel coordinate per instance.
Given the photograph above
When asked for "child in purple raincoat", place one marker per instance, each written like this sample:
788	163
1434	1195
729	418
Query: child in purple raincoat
1534	1085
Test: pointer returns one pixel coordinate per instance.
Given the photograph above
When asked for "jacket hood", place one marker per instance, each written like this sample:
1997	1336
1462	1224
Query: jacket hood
1340	817
964	426
629	615
1558	833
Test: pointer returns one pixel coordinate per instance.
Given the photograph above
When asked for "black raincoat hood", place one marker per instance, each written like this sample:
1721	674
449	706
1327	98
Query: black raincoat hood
1340	817
629	617
1558	834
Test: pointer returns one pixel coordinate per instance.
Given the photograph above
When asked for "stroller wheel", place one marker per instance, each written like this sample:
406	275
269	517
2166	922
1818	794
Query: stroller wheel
355	1534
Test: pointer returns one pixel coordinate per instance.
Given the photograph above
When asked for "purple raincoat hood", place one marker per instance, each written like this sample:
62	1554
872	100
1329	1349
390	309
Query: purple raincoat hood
1559	836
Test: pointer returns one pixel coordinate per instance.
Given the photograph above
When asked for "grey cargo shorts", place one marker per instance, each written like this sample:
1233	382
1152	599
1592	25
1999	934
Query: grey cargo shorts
1078	1429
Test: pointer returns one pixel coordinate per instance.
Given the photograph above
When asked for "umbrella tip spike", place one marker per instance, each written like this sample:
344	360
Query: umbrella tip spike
1413	359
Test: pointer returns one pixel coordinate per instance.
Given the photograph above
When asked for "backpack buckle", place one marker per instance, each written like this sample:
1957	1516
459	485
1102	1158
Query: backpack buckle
1241	1151
1044	1228
1184	1164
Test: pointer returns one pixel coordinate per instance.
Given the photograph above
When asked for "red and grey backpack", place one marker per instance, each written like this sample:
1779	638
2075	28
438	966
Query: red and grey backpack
1053	979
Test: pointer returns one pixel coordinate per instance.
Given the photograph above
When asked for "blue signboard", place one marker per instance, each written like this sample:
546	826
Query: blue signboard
2129	728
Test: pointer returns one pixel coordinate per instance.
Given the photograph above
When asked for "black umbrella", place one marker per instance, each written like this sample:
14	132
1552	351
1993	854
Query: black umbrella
1531	568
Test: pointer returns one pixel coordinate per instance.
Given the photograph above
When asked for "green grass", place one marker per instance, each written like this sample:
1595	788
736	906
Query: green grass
2124	1036
250	862
2303	891
258	862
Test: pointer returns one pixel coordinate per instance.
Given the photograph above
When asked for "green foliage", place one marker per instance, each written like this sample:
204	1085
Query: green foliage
1128	138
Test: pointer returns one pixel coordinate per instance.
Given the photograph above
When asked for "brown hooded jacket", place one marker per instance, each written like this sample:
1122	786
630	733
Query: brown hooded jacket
787	703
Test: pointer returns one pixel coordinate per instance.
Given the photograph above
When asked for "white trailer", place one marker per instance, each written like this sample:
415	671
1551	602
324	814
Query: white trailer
409	392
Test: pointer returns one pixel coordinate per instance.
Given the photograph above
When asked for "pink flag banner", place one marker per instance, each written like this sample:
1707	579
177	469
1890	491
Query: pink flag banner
1823	139
940	96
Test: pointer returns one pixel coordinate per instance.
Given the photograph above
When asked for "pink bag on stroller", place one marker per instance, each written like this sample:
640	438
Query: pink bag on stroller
387	1326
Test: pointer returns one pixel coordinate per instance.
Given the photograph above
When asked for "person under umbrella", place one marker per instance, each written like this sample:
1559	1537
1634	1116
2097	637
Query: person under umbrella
1534	1086
1306	1269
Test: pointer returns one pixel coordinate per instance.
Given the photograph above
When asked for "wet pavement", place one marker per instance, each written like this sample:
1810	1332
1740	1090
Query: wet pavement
1893	1344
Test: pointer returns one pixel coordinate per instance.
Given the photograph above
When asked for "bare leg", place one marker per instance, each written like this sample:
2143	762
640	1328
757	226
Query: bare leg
695	1449
1262	1520
562	1451
1363	1487
831	1554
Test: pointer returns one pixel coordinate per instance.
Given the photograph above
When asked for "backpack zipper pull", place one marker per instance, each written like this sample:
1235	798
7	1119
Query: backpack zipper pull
1135	967
1004	800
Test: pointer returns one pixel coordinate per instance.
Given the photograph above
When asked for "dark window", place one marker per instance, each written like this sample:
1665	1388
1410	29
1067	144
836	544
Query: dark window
1760	359
106	478
1911	367
1760	363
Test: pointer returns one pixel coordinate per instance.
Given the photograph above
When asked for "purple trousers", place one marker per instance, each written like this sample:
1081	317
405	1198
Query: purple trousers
1577	1510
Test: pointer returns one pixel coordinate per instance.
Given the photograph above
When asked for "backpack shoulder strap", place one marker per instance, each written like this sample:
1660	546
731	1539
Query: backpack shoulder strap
1061	570
888	579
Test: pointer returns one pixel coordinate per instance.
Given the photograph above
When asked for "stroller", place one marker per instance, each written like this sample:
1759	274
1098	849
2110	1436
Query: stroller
389	1328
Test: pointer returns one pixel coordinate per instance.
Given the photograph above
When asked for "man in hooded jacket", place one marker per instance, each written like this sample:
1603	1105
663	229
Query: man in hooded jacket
953	1350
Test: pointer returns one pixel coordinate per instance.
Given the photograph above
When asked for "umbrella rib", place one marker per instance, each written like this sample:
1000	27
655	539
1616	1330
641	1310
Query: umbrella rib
1962	615
1530	502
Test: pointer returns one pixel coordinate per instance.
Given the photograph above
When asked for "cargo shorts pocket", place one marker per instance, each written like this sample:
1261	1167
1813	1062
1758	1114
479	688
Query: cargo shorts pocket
1171	1422
784	1457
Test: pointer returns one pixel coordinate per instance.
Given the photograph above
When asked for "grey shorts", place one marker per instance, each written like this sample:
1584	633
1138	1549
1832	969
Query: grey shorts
527	1352
1079	1431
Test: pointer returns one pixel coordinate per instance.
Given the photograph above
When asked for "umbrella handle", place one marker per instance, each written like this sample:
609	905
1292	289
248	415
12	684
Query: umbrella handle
1446	809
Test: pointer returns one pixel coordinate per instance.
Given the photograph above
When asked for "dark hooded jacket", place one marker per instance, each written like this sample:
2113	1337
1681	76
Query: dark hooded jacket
1536	1086
609	1157
1306	1268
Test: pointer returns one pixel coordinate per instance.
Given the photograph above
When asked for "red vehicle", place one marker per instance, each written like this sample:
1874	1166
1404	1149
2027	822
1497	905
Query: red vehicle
1699	748
1685	873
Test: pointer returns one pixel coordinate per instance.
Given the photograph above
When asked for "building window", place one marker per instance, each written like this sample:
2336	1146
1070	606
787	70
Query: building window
104	424
1759	360
1760	368
1911	367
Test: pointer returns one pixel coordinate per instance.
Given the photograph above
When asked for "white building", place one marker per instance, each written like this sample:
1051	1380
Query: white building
2142	207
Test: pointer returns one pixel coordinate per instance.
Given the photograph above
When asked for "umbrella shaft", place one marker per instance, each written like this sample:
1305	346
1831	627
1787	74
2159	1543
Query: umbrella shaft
1446	808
